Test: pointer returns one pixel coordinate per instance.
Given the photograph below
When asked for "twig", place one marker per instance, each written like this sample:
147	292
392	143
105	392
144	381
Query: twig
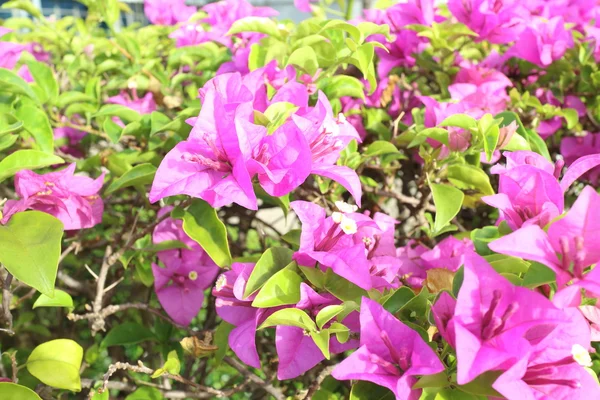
6	298
112	309
269	388
413	201
206	392
317	383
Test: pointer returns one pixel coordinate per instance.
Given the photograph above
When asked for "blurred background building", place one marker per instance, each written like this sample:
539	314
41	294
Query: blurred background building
61	8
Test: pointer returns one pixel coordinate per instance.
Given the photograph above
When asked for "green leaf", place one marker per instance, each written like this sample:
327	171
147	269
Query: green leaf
292	237
369	28
321	339
533	138
448	201
337	24
290	317
399	299
481	238
272	261
571	116
141	174
343	85
127	333
67	98
342	288
201	223
439	380
60	299
506	264
56	363
116	110
277	114
30	244
490	140
538	275
456	394
12	391
171	366
166	245
439	134
222	341
113	130
327	314
44	78
460	120
281	289
11	128
315	276
111	11
482	385
24	5
380	147
12	82
35	121
158	121
466	176
26	159
255	24
305	58
363	390
145	393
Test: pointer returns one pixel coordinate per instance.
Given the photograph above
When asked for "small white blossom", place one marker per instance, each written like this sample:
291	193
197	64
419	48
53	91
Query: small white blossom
348	225
581	355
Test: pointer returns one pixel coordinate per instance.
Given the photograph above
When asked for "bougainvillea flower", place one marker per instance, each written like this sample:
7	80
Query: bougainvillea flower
412	269
548	127
493	328
211	164
235	309
574	147
282	160
592	314
420	12
573	237
74	200
298	352
171	12
9	52
443	313
555	367
144	105
222	14
69	138
450	254
496	21
390	354
543	41
186	274
529	190
527	195
327	136
353	245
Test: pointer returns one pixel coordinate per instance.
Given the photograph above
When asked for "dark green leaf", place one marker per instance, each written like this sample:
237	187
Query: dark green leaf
127	333
142	174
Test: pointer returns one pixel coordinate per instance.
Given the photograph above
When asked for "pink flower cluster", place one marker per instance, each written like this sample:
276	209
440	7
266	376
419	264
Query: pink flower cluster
227	148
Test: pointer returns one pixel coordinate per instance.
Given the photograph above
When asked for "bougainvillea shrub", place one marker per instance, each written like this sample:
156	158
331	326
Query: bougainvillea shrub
397	203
